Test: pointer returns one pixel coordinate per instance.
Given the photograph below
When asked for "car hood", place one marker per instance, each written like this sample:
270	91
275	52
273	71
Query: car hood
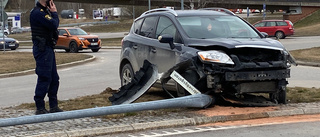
231	43
8	39
87	36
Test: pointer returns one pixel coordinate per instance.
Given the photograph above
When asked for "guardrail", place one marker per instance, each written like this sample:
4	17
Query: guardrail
89	23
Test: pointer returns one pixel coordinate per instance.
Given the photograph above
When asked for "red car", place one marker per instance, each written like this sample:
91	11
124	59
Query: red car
278	28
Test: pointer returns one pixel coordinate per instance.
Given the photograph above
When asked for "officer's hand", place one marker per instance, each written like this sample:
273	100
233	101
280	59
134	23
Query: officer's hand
52	7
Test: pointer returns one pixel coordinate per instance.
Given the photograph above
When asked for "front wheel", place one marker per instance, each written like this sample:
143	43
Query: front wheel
126	74
279	97
73	47
94	50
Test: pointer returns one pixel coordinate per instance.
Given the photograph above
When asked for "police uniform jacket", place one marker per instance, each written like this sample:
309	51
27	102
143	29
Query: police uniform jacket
44	24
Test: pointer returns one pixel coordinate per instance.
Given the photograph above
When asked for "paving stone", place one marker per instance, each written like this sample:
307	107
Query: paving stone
99	125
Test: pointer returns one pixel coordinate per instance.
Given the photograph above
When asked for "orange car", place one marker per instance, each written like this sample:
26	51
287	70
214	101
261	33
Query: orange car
74	39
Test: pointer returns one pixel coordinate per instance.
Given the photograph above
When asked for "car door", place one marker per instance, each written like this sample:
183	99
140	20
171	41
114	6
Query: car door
63	41
160	53
271	28
143	40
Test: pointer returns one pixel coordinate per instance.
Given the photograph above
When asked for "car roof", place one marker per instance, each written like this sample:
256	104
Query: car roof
201	12
274	20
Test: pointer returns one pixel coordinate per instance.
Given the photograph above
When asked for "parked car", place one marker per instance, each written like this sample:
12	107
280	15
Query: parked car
278	28
229	56
5	31
74	39
15	30
10	43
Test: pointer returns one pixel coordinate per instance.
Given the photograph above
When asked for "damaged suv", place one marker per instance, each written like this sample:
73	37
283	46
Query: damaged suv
230	58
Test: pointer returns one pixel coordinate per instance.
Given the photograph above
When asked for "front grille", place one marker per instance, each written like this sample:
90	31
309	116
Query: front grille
10	42
93	40
247	55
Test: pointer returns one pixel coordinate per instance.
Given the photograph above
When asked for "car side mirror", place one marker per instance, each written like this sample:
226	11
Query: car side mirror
65	34
265	35
167	38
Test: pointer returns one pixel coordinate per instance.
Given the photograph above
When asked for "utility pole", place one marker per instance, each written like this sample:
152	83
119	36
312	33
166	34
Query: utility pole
2	16
182	5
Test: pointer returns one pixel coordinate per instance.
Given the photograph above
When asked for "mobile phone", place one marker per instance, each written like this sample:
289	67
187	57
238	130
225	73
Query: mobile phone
48	3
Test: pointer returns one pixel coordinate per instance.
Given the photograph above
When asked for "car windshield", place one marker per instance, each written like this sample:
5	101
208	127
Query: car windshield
208	27
77	32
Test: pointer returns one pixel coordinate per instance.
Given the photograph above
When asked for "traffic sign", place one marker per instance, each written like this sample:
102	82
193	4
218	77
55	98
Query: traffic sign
3	15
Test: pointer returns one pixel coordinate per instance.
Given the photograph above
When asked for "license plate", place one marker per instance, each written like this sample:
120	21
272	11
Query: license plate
12	45
94	44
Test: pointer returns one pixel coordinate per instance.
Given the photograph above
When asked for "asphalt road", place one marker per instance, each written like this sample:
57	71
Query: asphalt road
302	129
87	79
94	77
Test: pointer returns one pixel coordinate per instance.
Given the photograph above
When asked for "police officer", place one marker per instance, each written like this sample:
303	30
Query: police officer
44	22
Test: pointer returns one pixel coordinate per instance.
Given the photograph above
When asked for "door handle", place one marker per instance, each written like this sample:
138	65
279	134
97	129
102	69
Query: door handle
153	50
135	46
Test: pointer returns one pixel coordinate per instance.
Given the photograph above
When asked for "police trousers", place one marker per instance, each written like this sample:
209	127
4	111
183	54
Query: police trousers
48	78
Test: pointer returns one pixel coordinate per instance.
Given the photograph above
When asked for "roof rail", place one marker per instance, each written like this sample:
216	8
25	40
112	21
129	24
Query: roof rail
160	10
219	9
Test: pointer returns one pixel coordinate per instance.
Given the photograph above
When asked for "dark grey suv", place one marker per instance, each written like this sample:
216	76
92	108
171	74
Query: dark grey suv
229	56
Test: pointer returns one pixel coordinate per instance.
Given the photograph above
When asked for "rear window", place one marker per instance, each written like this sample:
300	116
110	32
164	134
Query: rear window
137	26
281	23
271	23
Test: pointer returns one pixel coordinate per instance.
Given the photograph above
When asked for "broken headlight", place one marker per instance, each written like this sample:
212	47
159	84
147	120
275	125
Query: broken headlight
215	56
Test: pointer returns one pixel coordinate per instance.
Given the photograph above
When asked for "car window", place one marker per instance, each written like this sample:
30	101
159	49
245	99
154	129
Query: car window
137	26
281	23
207	27
165	26
62	31
261	24
147	28
271	23
77	32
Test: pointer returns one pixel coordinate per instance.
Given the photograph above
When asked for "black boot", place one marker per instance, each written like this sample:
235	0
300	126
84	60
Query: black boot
41	111
55	109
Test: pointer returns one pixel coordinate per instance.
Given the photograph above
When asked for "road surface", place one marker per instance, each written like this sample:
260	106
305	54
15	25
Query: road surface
94	77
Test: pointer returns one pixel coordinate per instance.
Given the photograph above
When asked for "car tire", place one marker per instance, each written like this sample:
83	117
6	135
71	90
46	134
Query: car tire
94	50
282	96
13	48
67	50
73	47
280	35
126	74
279	97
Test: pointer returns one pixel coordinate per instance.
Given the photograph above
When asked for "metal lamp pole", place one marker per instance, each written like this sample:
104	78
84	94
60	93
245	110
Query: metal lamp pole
2	16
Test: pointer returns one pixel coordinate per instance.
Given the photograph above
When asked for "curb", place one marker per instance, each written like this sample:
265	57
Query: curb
32	71
180	122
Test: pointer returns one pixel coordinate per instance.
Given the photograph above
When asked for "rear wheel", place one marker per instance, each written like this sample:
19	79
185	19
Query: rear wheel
126	74
73	47
280	35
